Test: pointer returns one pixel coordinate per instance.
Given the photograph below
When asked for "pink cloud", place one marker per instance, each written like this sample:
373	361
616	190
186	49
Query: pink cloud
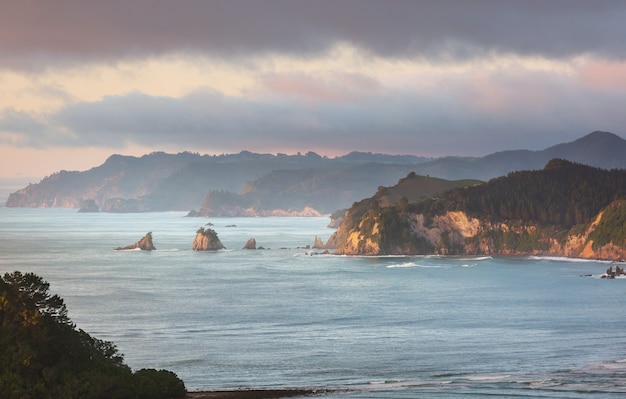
604	75
337	88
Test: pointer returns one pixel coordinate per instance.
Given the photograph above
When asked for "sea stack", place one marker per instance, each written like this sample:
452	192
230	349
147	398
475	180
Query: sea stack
207	240
145	244
250	244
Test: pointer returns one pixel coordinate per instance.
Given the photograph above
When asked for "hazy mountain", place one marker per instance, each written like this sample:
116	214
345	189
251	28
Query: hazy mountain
296	191
159	181
600	149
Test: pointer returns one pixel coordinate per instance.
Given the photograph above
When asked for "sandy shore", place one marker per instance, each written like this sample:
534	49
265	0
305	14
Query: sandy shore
254	394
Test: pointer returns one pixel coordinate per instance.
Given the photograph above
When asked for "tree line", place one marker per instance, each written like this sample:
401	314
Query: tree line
563	193
44	356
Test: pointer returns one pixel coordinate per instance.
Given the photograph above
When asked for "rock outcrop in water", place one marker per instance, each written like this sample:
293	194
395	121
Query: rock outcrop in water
610	273
207	240
250	244
145	244
318	243
89	206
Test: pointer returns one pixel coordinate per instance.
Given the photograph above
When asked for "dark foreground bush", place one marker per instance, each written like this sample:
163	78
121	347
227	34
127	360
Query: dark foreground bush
44	356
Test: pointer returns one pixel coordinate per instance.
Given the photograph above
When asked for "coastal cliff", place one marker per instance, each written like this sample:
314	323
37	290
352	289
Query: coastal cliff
566	209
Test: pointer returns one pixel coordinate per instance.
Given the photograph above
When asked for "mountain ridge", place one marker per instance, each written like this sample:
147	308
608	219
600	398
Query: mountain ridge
161	182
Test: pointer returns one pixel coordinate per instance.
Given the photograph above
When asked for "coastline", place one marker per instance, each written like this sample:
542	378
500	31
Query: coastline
255	393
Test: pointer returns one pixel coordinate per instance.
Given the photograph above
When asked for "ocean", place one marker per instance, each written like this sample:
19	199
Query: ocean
288	316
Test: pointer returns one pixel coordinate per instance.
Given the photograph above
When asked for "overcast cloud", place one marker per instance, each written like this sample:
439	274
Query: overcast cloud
423	77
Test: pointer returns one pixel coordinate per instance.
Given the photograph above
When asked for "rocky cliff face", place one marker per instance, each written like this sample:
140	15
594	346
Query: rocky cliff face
456	233
566	209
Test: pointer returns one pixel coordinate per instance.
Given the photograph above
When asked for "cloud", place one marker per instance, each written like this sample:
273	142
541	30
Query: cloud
336	87
16	126
37	34
474	111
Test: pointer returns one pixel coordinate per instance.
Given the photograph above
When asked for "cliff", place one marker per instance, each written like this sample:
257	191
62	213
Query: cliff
566	209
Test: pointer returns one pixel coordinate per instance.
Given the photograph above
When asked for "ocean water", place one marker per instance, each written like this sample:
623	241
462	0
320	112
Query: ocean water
382	327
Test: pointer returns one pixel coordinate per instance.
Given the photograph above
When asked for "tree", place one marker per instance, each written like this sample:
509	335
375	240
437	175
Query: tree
44	356
25	300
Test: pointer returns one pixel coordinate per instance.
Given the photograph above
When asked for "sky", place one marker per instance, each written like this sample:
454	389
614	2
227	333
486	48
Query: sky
81	80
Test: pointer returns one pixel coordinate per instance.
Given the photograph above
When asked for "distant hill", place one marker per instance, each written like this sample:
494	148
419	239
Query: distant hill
262	183
159	181
565	209
297	192
600	149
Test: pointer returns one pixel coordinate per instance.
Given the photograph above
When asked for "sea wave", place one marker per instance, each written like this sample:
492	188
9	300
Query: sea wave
413	264
569	260
477	258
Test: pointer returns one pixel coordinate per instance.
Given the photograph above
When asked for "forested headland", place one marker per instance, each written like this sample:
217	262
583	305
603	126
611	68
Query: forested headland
565	209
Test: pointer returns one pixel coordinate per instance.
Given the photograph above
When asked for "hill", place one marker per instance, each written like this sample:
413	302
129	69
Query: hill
565	209
600	149
159	181
256	184
302	192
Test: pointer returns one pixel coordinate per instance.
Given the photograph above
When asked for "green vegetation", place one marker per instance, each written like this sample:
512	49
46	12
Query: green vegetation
523	212
393	232
209	233
612	226
563	193
44	356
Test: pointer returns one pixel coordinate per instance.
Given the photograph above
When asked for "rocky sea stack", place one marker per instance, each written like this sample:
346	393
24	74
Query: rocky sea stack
250	244
207	240
145	244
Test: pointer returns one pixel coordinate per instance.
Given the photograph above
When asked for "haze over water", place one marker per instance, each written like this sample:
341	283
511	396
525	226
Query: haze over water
384	327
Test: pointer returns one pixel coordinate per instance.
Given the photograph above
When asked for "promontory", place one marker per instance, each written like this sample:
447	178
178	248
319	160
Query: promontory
566	209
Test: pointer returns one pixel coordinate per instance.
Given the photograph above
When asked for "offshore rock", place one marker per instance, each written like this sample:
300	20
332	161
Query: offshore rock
318	244
207	240
89	206
145	244
250	244
610	273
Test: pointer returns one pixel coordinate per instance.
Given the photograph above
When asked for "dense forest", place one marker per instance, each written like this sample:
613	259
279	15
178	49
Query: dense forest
44	356
563	193
525	212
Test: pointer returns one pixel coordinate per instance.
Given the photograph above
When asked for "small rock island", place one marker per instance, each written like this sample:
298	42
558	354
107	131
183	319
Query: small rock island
145	244
207	240
610	273
250	244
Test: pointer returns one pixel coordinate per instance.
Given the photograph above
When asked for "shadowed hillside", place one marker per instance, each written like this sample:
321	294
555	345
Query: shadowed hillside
287	184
